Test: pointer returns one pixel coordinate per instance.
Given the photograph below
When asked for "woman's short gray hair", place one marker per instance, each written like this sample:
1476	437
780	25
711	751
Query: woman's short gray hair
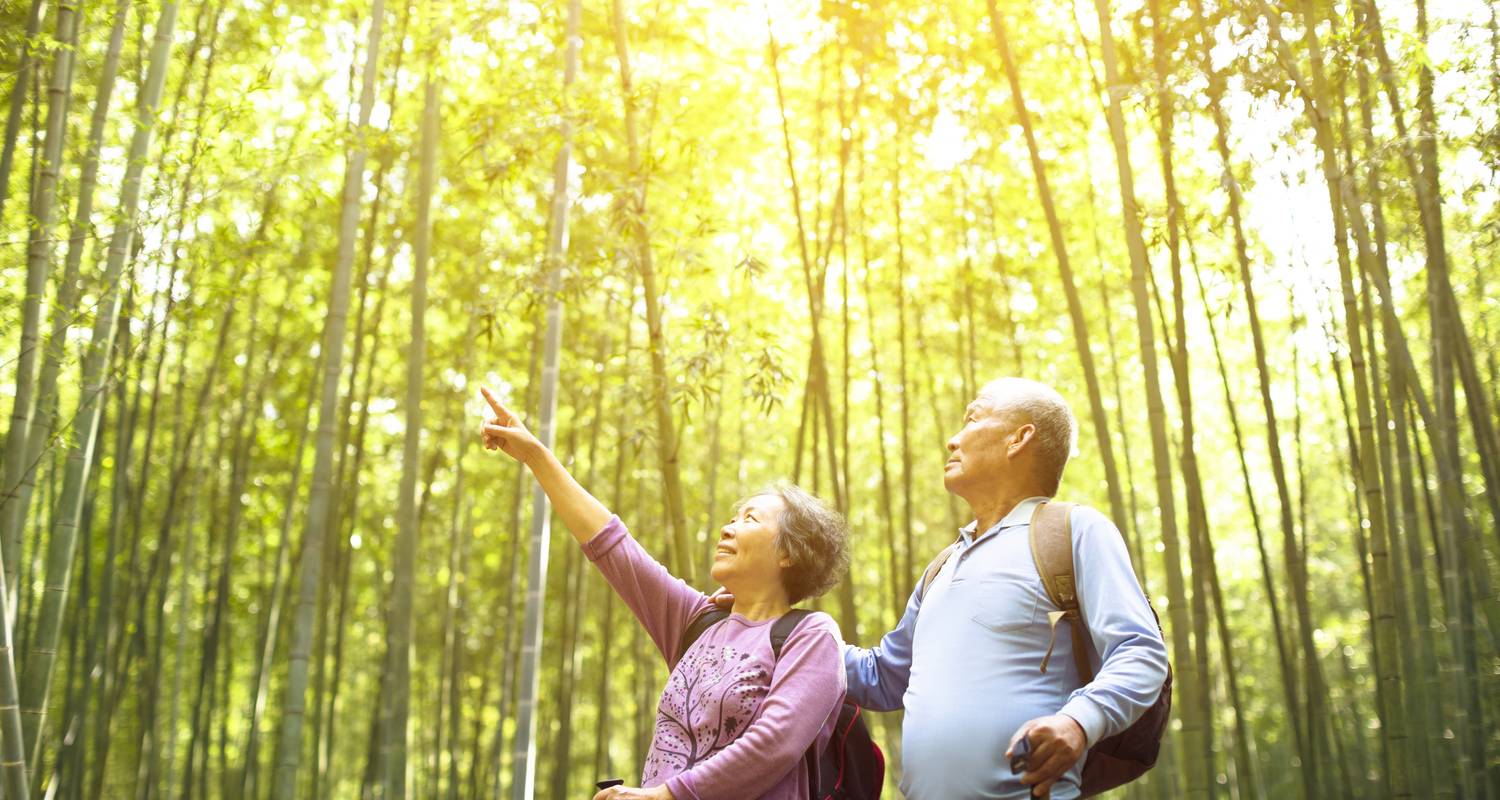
814	538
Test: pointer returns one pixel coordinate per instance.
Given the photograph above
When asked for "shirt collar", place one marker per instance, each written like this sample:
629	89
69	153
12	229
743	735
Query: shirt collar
1020	515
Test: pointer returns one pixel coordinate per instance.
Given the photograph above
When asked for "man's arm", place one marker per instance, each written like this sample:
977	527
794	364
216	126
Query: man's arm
1122	627
1124	634
877	676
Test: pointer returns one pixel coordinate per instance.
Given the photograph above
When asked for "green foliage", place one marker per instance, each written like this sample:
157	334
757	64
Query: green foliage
888	105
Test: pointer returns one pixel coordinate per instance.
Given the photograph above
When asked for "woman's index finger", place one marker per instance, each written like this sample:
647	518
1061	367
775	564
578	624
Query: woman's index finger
489	397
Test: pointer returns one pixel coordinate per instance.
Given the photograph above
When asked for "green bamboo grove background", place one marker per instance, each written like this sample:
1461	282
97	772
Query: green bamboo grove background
257	256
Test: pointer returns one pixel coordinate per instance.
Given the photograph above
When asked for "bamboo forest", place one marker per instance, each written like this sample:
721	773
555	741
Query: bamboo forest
257	258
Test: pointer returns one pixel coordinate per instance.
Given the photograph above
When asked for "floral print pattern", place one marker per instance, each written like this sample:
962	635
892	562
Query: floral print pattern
710	698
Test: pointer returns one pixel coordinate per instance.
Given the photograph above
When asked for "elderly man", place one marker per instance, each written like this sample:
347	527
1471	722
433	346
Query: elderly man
964	660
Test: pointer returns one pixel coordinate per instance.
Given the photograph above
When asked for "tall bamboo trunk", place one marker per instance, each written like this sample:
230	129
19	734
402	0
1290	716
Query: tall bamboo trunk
18	93
404	558
607	655
450	695
1309	738
897	578
1387	390
67	293
289	747
908	550
274	596
37	677
1200	544
215	631
683	563
524	763
1315	100
1451	346
813	274
1065	272
43	419
39	256
1255	785
1189	680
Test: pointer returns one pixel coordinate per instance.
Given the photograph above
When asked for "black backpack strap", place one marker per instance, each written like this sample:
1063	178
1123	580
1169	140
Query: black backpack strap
701	623
780	631
783	628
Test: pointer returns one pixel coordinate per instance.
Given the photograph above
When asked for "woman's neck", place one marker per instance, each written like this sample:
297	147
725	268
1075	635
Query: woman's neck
760	606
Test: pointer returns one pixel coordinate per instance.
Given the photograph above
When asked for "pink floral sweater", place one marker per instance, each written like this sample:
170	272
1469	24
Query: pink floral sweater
733	721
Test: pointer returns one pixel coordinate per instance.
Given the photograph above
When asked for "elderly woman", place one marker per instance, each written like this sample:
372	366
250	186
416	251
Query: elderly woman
734	720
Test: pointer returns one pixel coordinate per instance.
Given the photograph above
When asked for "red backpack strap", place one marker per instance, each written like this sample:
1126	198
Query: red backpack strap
1052	550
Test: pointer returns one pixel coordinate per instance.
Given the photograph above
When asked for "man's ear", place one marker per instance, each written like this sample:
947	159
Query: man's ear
1020	438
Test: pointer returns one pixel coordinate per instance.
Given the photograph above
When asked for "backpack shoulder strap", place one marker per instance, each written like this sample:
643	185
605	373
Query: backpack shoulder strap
783	627
931	573
700	623
1052	550
781	630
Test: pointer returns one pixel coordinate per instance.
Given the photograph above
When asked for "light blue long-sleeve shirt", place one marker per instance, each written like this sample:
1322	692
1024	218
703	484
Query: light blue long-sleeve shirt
967	668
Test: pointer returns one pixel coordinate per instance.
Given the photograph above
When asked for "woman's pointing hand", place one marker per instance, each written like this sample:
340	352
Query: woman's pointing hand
504	432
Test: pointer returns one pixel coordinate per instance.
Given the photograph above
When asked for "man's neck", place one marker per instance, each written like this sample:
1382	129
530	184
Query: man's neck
989	510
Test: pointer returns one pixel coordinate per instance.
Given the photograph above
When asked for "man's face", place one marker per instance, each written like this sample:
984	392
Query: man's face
978	455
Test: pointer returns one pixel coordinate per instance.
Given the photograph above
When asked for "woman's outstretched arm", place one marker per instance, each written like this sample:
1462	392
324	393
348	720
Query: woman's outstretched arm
580	511
663	603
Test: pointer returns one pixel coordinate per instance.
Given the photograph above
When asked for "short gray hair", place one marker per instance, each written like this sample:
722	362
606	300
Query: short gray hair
1042	406
813	537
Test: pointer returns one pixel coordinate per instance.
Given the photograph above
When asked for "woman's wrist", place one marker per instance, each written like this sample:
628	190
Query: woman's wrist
540	459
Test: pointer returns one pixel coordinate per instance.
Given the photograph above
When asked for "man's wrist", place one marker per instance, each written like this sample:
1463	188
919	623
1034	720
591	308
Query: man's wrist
1088	716
1079	726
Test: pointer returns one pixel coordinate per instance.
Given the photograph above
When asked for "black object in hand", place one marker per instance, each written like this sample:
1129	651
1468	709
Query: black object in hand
1019	753
608	782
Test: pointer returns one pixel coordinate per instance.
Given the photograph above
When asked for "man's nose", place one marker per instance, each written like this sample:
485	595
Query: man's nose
724	532
953	444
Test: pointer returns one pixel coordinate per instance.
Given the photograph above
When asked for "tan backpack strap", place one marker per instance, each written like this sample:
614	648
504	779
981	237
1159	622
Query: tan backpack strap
1052	550
934	568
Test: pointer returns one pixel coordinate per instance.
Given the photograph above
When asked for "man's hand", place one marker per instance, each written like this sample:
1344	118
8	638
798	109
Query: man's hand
1057	742
723	599
628	793
504	432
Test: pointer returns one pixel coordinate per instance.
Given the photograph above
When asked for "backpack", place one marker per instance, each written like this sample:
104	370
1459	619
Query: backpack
852	766
1127	755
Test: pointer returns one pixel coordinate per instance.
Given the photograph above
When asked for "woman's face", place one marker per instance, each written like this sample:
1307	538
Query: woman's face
746	556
